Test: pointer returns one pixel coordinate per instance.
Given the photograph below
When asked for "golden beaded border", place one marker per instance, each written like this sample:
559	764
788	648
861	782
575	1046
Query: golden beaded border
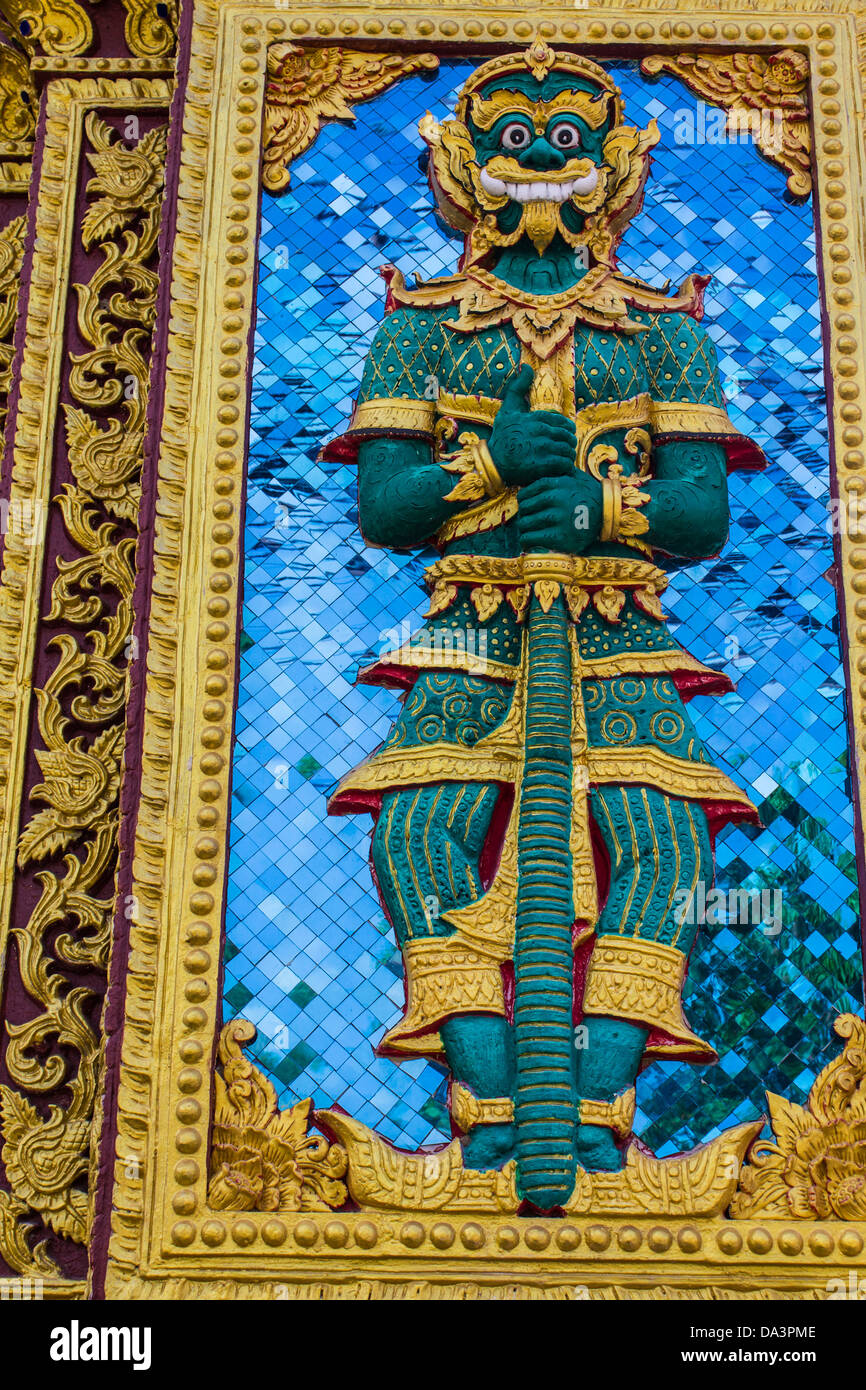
52	65
161	1219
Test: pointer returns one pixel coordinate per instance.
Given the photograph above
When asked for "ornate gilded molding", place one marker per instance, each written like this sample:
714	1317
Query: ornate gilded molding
264	1159
618	1288
307	86
151	27
47	1141
61	27
768	97
44	1157
814	1168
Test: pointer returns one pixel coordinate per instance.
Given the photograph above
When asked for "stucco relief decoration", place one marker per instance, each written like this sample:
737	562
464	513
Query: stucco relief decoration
308	86
766	96
46	1146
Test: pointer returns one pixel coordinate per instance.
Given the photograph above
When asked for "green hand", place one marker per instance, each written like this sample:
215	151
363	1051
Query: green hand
528	444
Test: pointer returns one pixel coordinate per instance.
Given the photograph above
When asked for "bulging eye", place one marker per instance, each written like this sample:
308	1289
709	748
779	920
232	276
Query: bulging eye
565	136
514	136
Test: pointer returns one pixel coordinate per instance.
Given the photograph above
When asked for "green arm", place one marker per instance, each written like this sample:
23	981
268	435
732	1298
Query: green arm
401	492
688	506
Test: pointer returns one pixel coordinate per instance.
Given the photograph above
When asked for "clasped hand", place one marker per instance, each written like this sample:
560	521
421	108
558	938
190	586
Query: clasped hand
559	509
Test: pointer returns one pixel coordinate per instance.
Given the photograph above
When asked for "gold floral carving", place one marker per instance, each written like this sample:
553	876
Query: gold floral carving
46	1152
307	86
11	256
149	34
815	1165
18	101
766	96
13	1240
59	27
263	1158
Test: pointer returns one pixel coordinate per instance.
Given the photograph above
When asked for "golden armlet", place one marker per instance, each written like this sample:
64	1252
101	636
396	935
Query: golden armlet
468	1110
611	502
484	465
617	1114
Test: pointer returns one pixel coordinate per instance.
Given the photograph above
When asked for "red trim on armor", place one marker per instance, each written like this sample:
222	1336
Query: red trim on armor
353	803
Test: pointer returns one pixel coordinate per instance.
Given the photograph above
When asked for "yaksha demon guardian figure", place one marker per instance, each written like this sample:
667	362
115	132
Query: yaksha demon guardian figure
543	804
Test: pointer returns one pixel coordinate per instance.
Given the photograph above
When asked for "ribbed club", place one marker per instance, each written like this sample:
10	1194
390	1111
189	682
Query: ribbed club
545	1099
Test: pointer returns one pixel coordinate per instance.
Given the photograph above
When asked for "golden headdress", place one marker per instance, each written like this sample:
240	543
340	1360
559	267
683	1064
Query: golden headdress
470	207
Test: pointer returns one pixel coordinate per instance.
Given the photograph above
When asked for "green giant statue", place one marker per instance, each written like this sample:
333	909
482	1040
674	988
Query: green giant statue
544	808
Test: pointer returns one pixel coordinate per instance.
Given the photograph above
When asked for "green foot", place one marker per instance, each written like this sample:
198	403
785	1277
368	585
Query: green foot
597	1151
488	1146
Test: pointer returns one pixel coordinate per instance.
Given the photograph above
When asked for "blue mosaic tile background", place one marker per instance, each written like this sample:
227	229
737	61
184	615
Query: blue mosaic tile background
309	956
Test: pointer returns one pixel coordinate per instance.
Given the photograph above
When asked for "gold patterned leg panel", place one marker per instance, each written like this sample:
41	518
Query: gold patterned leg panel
642	981
443	977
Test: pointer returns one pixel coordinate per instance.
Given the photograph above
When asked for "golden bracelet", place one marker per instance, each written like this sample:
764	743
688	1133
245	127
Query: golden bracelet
617	1114
611	502
467	1109
484	466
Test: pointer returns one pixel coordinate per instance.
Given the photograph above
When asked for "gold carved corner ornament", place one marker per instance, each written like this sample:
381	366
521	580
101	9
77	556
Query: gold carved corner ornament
307	86
814	1168
58	27
46	1145
764	97
263	1158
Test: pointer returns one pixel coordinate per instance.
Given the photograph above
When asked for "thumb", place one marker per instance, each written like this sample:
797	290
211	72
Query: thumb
515	397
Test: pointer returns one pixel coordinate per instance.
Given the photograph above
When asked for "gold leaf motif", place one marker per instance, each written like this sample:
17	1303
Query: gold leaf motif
81	785
609	601
263	1158
470	486
647	599
307	86
815	1165
486	599
577	599
442	597
130	180
766	96
547	592
518	598
631	522
106	460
